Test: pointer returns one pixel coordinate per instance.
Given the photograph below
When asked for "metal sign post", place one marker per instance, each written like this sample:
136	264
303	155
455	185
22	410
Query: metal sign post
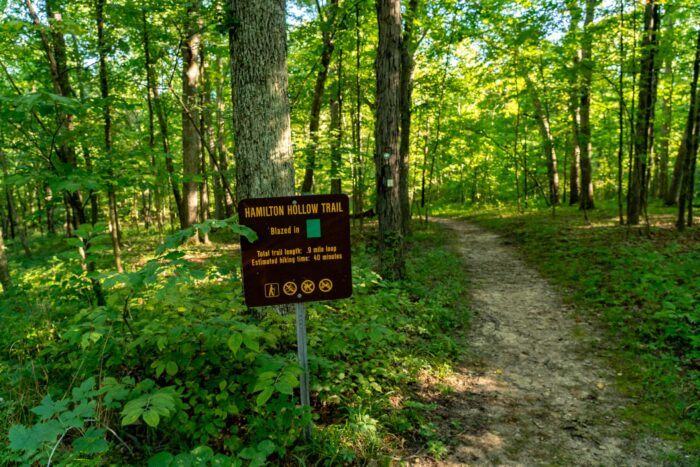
303	363
302	254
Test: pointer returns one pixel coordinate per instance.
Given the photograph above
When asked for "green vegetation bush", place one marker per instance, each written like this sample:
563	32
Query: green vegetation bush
175	369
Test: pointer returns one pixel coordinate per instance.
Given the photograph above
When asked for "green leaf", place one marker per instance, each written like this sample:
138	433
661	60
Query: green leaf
234	342
171	368
251	343
92	442
162	459
284	388
264	396
152	418
21	438
48	408
76	242
266	447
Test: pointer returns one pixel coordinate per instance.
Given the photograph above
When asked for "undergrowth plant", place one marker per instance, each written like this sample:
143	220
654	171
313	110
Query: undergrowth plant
174	370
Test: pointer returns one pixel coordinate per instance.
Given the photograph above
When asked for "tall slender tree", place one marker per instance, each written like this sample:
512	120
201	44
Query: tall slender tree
644	125
687	153
327	22
107	115
408	50
585	93
191	142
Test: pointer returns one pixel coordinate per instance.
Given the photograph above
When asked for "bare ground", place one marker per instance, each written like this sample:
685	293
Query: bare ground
532	390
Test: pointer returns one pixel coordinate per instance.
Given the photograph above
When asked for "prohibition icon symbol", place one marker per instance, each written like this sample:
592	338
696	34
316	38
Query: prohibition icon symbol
307	286
289	288
325	285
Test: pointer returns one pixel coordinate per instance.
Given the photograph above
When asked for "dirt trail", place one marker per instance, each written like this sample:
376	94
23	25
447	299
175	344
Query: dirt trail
532	390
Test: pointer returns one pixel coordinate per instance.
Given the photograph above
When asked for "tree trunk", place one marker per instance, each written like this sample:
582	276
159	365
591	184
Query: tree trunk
408	49
584	133
548	141
644	131
161	117
258	50
575	107
337	129
386	155
687	152
620	118
358	165
661	178
327	32
5	280
55	51
104	90
151	128
222	150
191	147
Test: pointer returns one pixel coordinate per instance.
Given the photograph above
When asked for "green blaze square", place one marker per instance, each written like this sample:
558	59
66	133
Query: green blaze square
313	228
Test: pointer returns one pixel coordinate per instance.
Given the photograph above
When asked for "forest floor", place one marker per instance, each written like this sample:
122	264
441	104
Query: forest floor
533	388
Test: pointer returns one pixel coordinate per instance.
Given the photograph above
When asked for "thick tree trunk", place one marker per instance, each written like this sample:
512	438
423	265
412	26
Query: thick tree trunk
327	33
104	90
644	131
263	150
191	147
386	156
408	48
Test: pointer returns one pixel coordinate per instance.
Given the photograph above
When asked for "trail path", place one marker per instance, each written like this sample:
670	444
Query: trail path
532	390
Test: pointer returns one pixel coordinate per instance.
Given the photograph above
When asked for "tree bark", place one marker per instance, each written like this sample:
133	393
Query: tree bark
55	51
687	152
574	106
151	126
263	150
408	49
584	133
191	147
667	113
336	128
104	90
386	156
548	141
5	279
644	129
222	150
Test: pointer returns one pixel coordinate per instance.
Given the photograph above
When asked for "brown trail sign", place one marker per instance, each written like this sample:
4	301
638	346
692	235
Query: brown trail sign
302	252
